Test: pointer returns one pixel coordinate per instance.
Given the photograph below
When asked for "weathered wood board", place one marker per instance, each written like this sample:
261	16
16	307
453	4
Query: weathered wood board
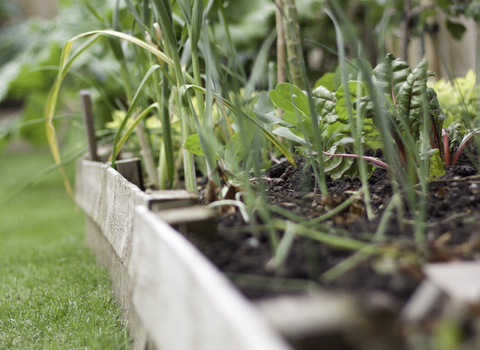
108	199
183	300
121	280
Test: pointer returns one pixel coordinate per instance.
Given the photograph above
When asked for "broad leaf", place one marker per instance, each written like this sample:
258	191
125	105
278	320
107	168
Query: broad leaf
291	99
288	134
338	167
355	88
410	97
391	72
326	81
193	145
325	102
436	165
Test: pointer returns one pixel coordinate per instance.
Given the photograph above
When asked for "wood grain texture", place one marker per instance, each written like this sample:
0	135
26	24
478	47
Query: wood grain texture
121	280
108	199
182	299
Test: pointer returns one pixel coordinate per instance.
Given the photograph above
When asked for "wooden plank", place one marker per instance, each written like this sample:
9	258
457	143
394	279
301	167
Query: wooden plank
340	321
172	199
182	299
459	280
423	302
108	198
318	321
121	281
191	220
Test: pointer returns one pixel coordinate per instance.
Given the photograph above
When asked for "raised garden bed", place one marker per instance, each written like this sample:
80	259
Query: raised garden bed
180	301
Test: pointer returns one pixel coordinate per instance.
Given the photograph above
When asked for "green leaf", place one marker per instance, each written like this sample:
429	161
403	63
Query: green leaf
410	97
390	72
371	136
193	145
338	167
288	134
456	29
236	150
325	102
290	118
265	111
436	165
291	99
354	87
326	81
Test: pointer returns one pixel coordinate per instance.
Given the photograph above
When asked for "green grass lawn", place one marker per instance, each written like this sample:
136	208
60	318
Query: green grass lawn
52	294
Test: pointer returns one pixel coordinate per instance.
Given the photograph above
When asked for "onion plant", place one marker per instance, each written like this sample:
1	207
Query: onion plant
167	86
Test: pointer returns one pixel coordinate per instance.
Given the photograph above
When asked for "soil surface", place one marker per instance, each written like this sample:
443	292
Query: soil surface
394	266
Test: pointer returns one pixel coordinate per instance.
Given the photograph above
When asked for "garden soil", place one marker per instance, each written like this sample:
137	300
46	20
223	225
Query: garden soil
453	233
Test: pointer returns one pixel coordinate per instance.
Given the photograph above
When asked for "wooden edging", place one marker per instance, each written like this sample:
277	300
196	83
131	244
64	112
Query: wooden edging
182	299
182	302
174	298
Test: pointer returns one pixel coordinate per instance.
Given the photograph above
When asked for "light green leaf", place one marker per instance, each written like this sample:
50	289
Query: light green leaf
326	81
193	145
354	87
291	99
325	102
436	165
288	134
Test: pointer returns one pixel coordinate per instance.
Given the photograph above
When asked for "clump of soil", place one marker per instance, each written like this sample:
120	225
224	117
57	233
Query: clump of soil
453	212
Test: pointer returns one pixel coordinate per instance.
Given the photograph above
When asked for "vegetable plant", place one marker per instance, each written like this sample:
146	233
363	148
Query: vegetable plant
406	98
176	92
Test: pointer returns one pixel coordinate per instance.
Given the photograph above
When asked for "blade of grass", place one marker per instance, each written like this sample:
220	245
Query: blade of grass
130	111
130	129
348	264
284	246
343	243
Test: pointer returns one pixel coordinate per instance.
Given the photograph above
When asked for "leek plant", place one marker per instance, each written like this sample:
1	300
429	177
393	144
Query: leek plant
168	88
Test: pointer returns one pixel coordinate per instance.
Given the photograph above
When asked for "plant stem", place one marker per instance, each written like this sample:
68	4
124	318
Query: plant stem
292	36
281	54
188	161
343	243
141	135
167	133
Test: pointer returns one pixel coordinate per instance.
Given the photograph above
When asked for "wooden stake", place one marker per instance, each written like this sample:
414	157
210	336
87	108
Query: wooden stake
89	127
131	169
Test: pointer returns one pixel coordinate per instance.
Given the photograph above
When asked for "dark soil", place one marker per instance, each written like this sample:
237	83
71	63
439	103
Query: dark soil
453	213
